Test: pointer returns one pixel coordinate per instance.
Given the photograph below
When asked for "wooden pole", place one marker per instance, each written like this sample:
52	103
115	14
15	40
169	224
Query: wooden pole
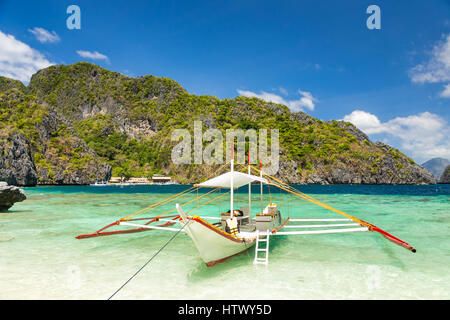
249	188
261	185
231	180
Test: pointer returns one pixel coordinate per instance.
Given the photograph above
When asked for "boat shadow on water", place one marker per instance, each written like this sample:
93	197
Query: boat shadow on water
394	259
201	272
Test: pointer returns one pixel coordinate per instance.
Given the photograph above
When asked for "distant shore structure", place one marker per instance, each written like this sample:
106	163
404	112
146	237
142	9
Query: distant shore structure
115	180
155	179
141	180
160	179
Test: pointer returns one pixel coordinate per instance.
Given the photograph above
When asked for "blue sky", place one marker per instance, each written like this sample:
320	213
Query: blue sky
315	56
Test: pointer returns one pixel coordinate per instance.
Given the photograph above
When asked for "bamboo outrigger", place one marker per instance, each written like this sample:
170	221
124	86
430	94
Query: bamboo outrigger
235	230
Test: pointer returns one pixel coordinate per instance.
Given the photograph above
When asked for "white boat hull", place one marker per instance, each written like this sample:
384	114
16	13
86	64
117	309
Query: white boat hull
213	244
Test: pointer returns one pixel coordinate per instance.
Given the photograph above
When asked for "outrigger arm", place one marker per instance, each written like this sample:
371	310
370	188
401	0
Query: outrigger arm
364	226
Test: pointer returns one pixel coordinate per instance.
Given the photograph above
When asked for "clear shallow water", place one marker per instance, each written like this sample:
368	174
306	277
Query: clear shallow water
41	259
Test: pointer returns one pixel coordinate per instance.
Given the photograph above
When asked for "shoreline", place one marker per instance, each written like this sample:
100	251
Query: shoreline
190	184
362	189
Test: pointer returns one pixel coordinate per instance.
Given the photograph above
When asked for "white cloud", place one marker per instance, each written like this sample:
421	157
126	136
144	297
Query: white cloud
18	60
446	92
437	69
92	55
424	135
306	101
365	121
43	35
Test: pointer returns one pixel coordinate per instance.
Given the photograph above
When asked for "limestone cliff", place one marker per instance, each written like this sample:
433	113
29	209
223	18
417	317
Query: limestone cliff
79	123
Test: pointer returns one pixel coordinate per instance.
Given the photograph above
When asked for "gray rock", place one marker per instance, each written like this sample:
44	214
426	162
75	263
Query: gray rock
302	117
16	163
10	195
361	136
95	171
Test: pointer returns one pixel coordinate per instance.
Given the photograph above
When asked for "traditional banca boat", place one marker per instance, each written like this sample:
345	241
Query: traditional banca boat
233	231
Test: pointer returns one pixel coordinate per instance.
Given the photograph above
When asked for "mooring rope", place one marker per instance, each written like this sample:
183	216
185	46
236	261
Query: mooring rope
160	249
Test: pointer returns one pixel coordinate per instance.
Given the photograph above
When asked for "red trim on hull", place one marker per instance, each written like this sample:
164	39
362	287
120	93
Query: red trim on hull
230	237
219	231
213	263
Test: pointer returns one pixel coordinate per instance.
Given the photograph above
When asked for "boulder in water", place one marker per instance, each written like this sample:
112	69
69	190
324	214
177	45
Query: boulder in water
10	195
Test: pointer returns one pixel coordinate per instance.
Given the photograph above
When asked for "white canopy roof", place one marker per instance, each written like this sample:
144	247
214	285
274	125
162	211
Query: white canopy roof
224	181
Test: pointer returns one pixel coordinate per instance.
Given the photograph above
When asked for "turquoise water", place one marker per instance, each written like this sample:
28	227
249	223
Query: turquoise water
41	259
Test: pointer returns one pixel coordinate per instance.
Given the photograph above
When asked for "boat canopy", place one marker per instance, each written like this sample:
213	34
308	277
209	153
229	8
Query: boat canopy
224	181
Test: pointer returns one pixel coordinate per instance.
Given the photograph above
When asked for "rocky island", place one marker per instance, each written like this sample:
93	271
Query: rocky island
445	177
81	123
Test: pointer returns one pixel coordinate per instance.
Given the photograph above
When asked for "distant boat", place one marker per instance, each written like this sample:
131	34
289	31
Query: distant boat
162	183
99	184
121	184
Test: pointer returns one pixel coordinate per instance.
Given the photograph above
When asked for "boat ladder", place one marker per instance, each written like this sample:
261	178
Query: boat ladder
258	249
